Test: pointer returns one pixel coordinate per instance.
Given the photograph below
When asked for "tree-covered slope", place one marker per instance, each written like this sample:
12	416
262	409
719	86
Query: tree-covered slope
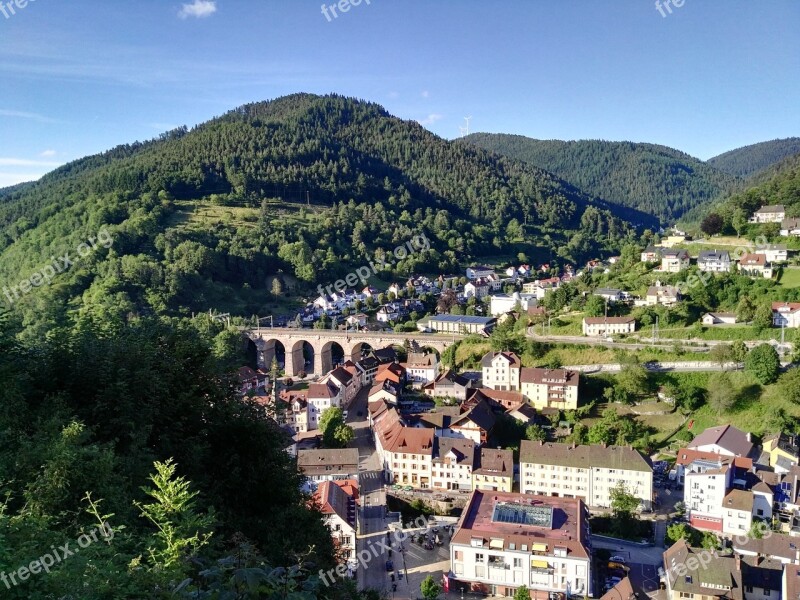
658	180
368	181
749	160
779	184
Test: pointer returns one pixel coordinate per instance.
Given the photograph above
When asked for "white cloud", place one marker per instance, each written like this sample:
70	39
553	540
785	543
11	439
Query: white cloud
48	153
425	94
198	9
24	162
430	119
20	114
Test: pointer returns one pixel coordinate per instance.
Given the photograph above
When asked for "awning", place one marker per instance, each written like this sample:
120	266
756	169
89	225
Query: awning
496	544
539	547
539	564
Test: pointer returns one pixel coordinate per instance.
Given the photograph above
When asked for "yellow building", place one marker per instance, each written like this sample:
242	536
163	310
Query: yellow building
495	471
782	450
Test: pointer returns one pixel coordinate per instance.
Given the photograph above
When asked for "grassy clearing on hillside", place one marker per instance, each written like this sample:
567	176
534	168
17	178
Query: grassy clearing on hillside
725	333
790	278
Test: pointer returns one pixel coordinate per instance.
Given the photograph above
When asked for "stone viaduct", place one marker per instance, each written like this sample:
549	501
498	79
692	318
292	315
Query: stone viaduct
352	343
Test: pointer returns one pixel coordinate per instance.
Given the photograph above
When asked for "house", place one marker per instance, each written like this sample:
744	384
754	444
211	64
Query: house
550	388
601	326
357	320
407	453
540	287
479	288
769	214
726	440
790	227
696	460
786	314
387	313
775	252
328	464
721	318
685	576
501	370
610	295
449	385
651	254
337	503
783	450
755	265
476	423
453	462
478	271
714	261
385	391
392	372
293	411
384	355
504	540
665	295
250	379
421	368
346	380
503	303
321	397
495	471
368	367
587	472
704	492
457	324
674	260
737	511
523	412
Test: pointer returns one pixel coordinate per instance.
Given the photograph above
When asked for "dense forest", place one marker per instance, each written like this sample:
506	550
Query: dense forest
747	161
658	180
779	184
323	182
136	432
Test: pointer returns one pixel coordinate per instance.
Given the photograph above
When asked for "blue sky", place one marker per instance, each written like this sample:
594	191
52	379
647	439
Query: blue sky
81	76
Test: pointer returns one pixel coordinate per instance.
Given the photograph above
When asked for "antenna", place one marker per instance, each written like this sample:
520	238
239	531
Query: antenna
465	130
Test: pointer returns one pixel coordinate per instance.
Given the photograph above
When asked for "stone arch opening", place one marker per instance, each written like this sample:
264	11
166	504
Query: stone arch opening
300	359
269	350
332	355
360	350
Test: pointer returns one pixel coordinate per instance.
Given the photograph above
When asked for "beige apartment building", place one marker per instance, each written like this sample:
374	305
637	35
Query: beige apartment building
586	472
550	388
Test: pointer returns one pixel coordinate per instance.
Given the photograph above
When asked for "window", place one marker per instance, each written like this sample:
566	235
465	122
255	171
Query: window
458	555
517	562
479	558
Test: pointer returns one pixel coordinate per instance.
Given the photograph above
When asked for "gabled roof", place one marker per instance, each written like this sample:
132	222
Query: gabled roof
333	499
675	253
786	307
480	414
496	462
322	390
772	208
548	376
687	456
725	436
753	260
583	457
512	359
612	320
719	578
462	448
738	500
713	255
342	375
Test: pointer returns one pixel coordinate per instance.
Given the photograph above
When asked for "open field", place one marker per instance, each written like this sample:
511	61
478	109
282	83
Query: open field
790	277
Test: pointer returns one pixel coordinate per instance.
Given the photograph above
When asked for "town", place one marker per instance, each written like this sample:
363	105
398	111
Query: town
518	486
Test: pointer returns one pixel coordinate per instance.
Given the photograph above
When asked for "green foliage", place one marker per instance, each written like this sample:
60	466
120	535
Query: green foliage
763	362
748	160
789	385
623	503
721	393
181	530
429	588
335	432
535	433
654	179
522	593
713	224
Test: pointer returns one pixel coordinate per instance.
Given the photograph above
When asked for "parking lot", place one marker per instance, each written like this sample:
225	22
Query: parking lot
414	561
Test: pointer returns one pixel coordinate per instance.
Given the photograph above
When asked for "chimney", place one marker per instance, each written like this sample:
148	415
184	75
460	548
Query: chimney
738	562
541	443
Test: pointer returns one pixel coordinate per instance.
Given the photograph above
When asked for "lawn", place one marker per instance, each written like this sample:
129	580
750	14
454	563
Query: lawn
790	278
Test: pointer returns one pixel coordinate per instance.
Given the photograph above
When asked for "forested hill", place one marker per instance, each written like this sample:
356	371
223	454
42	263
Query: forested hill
779	184
658	180
748	160
202	218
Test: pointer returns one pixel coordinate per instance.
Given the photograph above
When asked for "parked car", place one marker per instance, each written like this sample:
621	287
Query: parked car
617	559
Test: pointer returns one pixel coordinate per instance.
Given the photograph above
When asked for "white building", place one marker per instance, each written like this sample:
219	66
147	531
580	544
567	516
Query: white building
421	368
786	314
478	271
453	463
674	260
719	318
769	214
790	227
501	370
504	541
503	303
775	253
338	505
586	472
714	261
321	397
600	326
